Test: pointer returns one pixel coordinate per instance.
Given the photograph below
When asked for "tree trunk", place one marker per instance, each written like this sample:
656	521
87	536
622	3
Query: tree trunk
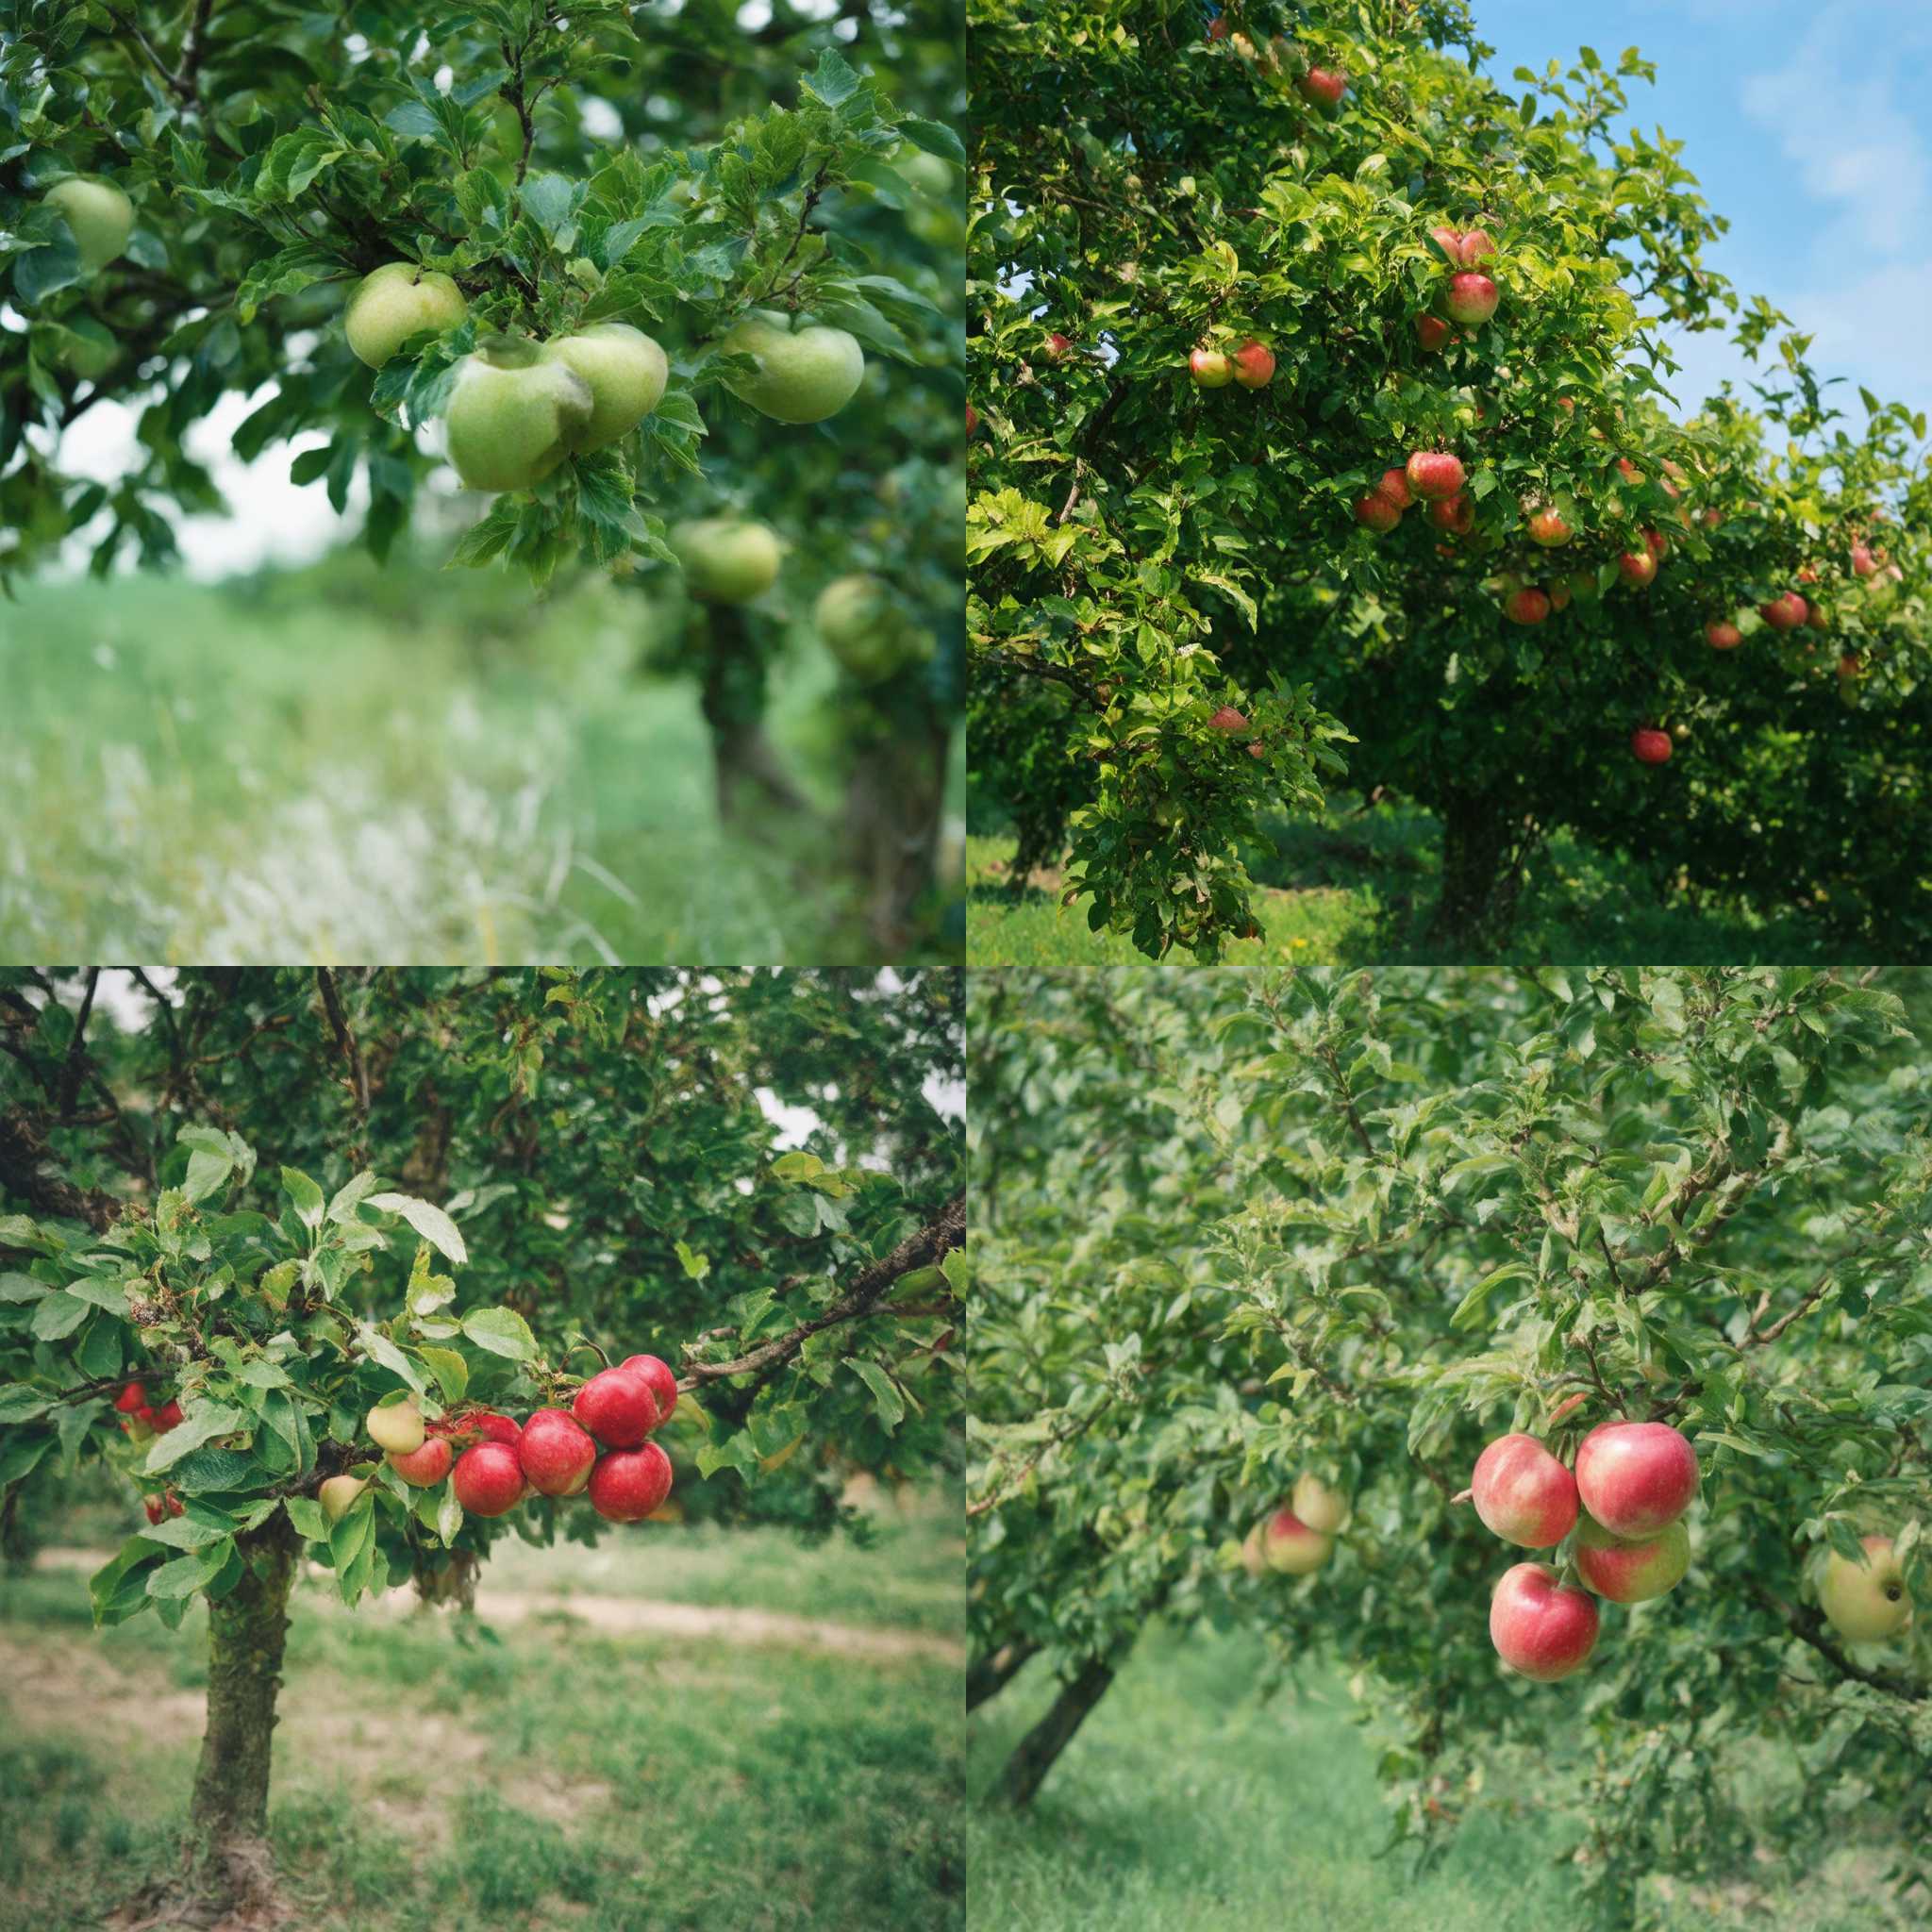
1485	848
1035	1754
228	1855
732	698
894	804
987	1676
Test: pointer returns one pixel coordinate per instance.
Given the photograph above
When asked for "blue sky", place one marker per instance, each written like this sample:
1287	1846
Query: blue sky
1805	126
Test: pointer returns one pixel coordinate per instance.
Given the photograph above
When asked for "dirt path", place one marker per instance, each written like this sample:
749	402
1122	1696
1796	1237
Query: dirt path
639	1617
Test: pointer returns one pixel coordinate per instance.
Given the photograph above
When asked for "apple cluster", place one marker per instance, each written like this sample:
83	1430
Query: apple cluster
1251	365
600	1444
142	1418
1297	1538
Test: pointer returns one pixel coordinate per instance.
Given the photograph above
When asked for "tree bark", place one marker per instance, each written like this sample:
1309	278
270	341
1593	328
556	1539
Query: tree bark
987	1676
1036	1752
228	1855
895	805
1485	848
732	698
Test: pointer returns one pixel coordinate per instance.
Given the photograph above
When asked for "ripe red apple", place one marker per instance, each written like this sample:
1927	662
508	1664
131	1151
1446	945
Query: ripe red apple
1656	543
425	1467
617	1406
1808	574
1864	564
1631	1572
1816	616
165	1418
1475	248
972	419
1434	474
1217	27
1394	486
1722	635
498	1429
1432	331
1652	747
1784	613
1290	1546
1056	346
1636	1478
1376	512
489	1479
1549	529
556	1453
1629	471
1541	1628
628	1484
1523	1494
1254	363
1472	298
1637	569
132	1399
155	1507
1712	519
1529	606
1323	85
1456	514
660	1375
1450	241
1229	719
1210	369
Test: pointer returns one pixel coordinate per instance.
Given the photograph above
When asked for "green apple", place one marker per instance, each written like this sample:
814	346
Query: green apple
99	215
1867	1601
726	560
927	173
396	302
869	633
87	347
626	373
396	1427
339	1492
802	376
1324	1510
513	414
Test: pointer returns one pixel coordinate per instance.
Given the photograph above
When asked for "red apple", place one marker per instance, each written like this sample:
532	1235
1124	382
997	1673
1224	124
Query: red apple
155	1507
1056	346
1472	298
1549	529
1254	363
1542	1628
132	1399
1526	607
1456	514
1631	1573
1637	568
165	1418
497	1428
1523	1494
1816	616
1475	248
1434	474
1850	665
1636	1478
1450	241
1864	564
489	1479
1629	471
1432	331
972	419
1807	573
1656	543
1784	613
1323	85
1210	369
1652	747
660	1375
1229	719
617	1406
628	1484
425	1467
1722	635
1394	486
556	1453
1217	27
1290	1545
1559	595
1376	512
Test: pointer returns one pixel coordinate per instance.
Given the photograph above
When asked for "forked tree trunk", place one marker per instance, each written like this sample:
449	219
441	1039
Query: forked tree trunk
1485	848
987	1676
894	807
745	763
1036	1752
228	1856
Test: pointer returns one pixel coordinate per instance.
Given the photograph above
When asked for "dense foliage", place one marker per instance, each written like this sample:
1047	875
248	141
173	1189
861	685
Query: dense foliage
1233	1228
1181	613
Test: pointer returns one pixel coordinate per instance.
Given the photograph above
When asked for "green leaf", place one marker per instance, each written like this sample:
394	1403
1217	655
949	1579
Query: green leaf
891	1404
304	1196
432	1223
501	1331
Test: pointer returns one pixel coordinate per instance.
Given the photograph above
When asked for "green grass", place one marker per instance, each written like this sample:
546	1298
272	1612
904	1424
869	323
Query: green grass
434	1777
1356	887
420	768
1189	1800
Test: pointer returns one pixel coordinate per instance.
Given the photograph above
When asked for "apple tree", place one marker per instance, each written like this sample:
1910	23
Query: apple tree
1245	1240
257	1227
1224	282
657	290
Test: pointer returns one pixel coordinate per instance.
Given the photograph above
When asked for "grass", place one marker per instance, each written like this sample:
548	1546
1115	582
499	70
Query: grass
417	768
1187	1799
436	1777
1357	886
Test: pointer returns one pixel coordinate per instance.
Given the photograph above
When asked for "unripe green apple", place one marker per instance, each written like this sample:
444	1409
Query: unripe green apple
726	560
338	1493
865	630
1324	1510
396	302
625	371
513	414
396	1427
1867	1601
802	376
99	215
86	347
927	173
